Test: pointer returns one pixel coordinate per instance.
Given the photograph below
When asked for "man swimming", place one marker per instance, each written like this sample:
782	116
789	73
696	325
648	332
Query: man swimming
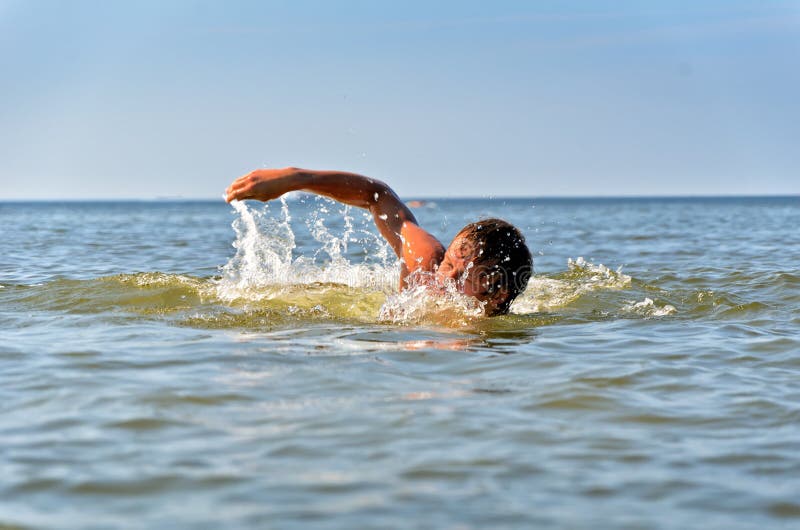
487	259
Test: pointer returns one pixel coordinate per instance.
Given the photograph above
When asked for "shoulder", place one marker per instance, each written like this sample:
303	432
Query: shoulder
421	250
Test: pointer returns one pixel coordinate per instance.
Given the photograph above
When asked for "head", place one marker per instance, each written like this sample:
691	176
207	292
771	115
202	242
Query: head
492	259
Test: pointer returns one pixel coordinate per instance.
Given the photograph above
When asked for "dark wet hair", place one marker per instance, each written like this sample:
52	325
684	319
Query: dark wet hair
500	257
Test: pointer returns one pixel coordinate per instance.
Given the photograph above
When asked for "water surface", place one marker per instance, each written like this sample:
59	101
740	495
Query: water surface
153	375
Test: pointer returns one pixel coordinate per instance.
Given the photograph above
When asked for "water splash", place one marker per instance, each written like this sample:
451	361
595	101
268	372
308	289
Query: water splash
647	308
265	268
259	261
264	265
581	277
426	300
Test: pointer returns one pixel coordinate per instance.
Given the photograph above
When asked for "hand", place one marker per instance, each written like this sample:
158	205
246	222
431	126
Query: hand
263	184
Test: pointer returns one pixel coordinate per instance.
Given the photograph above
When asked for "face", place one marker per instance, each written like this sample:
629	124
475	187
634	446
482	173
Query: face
458	260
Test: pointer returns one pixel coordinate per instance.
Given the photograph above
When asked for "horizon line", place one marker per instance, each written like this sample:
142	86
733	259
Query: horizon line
427	197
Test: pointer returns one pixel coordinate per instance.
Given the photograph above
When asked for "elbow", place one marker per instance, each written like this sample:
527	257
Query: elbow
380	192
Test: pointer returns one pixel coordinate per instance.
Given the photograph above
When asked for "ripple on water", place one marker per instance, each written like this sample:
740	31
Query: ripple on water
784	509
133	487
172	399
130	397
145	424
773	345
576	401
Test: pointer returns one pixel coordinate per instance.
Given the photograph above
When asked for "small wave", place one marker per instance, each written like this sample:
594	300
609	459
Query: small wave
648	308
150	292
546	294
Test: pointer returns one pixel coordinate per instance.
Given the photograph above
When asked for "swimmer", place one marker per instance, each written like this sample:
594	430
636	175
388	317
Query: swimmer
487	259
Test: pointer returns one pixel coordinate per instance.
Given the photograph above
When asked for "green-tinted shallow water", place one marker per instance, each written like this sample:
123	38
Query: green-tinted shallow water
146	385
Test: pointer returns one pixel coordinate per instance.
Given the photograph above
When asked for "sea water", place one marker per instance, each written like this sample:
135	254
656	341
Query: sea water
203	365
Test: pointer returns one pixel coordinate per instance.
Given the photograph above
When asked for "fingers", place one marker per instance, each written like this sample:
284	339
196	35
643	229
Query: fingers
238	197
238	188
235	194
232	189
231	194
239	194
257	184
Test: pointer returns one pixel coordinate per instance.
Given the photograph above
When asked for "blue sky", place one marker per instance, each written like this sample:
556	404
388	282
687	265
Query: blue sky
112	99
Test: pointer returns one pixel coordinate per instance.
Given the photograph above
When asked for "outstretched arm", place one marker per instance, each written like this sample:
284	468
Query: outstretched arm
414	246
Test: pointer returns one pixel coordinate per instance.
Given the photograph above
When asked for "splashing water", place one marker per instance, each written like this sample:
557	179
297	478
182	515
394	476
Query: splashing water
260	261
427	300
265	267
546	294
648	308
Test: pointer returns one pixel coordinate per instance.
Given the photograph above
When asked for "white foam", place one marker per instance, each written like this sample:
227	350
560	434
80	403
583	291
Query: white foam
264	263
547	294
648	308
427	300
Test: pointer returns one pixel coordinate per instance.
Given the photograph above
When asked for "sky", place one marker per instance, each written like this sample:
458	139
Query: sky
154	99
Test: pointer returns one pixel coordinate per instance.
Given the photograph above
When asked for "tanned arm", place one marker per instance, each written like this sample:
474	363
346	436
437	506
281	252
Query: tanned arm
416	248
